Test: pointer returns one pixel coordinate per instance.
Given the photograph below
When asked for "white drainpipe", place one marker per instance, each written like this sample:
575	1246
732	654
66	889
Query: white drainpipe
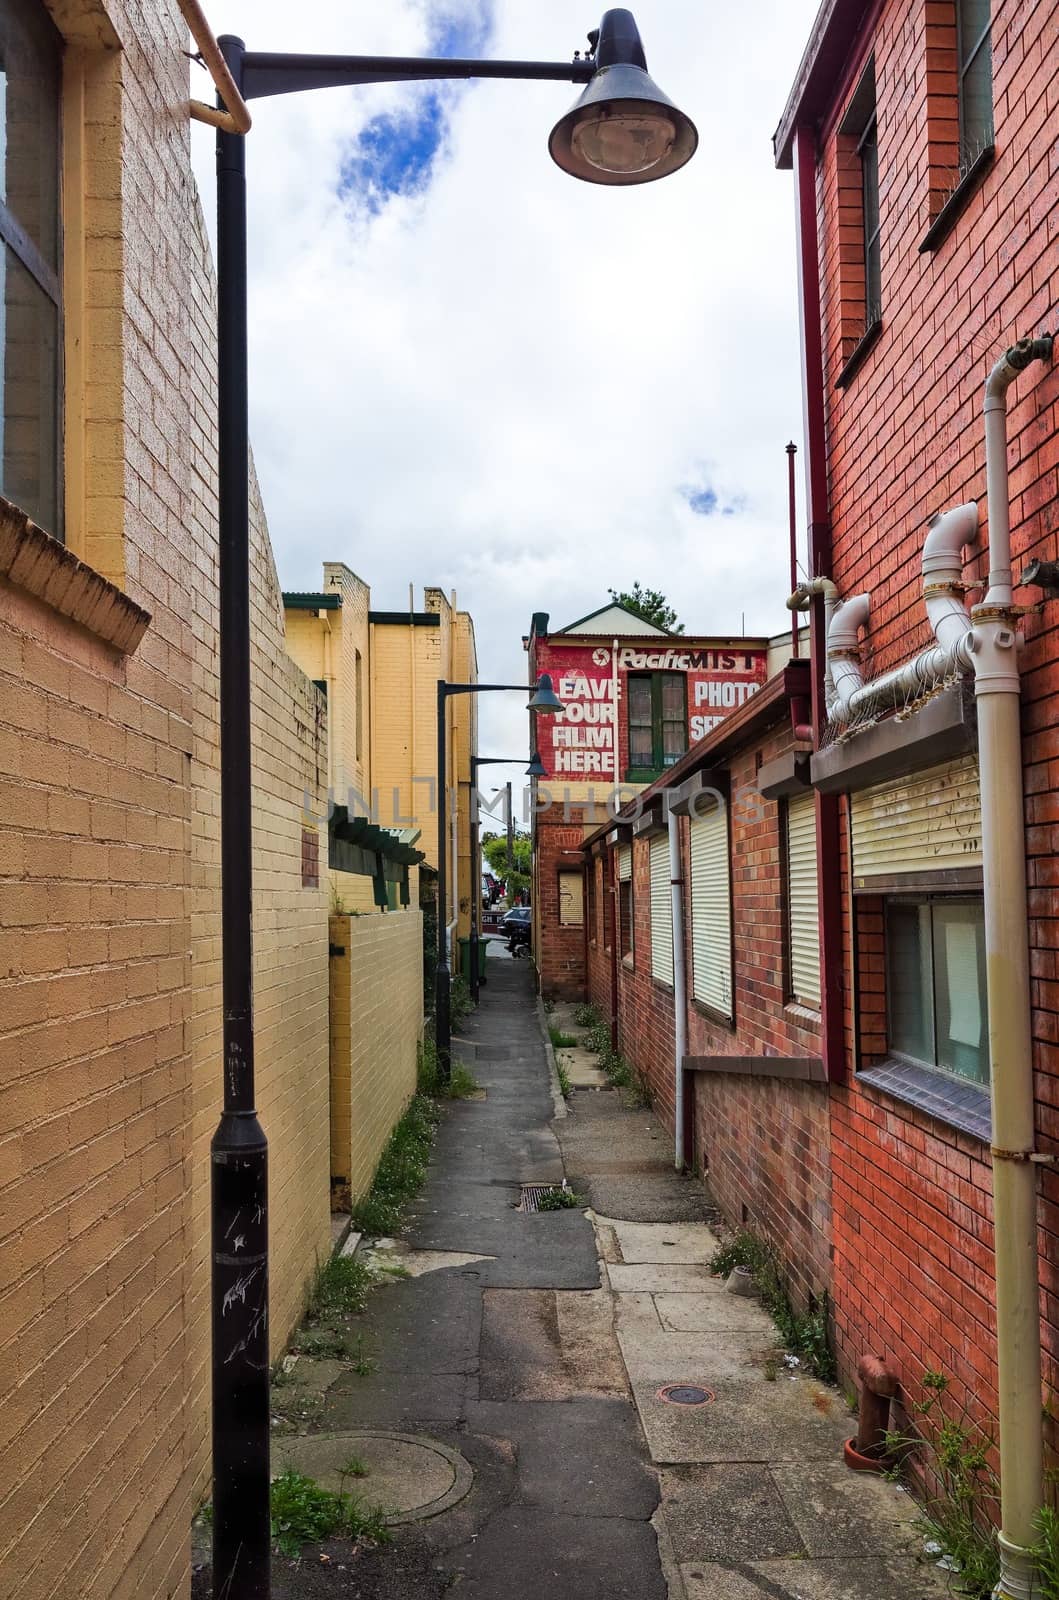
680	996
996	686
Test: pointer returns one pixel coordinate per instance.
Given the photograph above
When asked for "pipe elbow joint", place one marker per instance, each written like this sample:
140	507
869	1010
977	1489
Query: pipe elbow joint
846	622
949	532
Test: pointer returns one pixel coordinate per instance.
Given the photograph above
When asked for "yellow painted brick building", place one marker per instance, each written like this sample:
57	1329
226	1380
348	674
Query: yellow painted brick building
381	670
110	1020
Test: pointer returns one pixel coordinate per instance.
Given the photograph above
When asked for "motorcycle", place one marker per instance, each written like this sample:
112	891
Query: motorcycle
518	939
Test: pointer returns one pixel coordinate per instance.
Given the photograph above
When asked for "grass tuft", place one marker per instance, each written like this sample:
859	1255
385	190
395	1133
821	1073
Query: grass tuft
559	1199
304	1513
561	1040
462	1082
804	1334
340	1284
565	1086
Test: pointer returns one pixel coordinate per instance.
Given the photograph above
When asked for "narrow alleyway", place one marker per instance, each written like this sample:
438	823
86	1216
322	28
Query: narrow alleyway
507	1391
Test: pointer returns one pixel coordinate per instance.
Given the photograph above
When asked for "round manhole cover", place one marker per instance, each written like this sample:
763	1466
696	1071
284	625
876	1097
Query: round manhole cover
407	1475
685	1394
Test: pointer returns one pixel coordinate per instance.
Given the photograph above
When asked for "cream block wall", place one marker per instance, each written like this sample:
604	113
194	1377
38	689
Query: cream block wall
376	1026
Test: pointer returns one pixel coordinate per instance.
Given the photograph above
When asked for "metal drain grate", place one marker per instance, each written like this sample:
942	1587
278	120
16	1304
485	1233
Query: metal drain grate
531	1193
685	1394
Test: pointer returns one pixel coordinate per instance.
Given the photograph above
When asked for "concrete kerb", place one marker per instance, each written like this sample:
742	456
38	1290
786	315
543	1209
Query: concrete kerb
558	1098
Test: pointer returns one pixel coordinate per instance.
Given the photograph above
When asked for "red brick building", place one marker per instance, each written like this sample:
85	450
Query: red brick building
899	1142
635	698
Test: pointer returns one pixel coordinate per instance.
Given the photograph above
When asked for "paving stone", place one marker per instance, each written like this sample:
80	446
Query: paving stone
843	1513
761	1421
648	1278
813	1580
729	1512
711	1313
654	1355
664	1243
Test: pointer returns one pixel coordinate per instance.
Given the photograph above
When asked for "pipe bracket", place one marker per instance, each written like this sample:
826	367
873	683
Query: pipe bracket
1037	1158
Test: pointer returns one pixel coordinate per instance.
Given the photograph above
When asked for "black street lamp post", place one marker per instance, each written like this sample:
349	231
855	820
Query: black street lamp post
534	770
622	130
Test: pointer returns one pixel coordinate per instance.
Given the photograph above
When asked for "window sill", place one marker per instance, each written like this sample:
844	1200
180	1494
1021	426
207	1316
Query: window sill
31	560
628	963
859	351
964	1106
959	197
660	983
701	1008
802	1013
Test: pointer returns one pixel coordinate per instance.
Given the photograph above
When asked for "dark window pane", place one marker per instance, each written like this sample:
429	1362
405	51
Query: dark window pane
959	988
641	748
29	425
976	79
674	742
29	122
869	163
673	695
909	987
640	700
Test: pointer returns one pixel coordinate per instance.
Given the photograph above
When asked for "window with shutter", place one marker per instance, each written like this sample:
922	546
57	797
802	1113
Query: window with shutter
711	911
624	869
661	910
926	823
803	921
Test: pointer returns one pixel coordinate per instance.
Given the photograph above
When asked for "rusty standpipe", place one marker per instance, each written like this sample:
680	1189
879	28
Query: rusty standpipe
878	1386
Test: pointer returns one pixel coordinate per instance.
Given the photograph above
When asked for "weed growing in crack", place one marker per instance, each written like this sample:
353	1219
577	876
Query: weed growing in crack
559	1199
401	1170
804	1334
341	1284
462	1082
565	1086
561	1040
586	1016
303	1513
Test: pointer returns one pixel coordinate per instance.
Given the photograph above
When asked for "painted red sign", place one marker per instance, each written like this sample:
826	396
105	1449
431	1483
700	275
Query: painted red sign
591	736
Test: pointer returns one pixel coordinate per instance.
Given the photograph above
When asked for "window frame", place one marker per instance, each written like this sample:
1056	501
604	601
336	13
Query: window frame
949	1074
626	909
49	280
966	59
858	140
659	765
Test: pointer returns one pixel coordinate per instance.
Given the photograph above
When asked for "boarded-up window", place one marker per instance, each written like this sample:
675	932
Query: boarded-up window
803	920
571	899
711	910
624	866
661	910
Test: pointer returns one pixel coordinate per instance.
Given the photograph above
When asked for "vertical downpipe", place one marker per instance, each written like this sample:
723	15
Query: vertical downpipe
997	699
680	998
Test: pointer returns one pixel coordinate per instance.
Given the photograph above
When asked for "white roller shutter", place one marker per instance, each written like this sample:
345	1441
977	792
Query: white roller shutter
661	910
803	920
624	862
711	911
926	823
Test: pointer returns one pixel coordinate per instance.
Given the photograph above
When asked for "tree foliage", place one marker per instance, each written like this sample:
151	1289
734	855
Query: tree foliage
494	849
650	604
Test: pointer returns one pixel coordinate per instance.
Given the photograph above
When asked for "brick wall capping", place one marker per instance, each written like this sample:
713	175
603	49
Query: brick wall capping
834	36
295	600
652	819
801	1069
959	197
33	561
942	729
686	798
788	774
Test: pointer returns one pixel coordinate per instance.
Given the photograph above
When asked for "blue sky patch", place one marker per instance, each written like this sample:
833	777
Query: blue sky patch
395	152
706	502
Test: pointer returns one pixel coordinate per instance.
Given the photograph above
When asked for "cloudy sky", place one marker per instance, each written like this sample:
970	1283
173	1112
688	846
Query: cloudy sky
467	369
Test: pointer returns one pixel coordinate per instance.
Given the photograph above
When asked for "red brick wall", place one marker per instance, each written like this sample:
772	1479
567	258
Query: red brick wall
561	952
912	1239
600	935
764	1141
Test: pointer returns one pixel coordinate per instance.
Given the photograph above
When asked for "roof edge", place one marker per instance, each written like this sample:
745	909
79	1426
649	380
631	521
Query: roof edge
835	31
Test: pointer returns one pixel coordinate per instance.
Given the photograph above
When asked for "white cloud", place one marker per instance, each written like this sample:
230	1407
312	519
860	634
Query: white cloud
505	384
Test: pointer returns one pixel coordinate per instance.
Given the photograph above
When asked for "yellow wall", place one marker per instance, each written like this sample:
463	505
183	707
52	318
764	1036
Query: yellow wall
109	879
376	1025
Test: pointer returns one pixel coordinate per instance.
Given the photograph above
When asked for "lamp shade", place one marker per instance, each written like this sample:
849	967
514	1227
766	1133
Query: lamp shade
536	767
544	696
623	129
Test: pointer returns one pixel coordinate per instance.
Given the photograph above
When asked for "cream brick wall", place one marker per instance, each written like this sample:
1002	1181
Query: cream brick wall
109	904
376	1025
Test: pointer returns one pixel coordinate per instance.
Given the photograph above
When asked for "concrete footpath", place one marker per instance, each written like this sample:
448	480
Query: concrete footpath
564	1403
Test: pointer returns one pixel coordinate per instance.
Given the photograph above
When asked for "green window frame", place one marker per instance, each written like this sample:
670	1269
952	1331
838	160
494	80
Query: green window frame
656	723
